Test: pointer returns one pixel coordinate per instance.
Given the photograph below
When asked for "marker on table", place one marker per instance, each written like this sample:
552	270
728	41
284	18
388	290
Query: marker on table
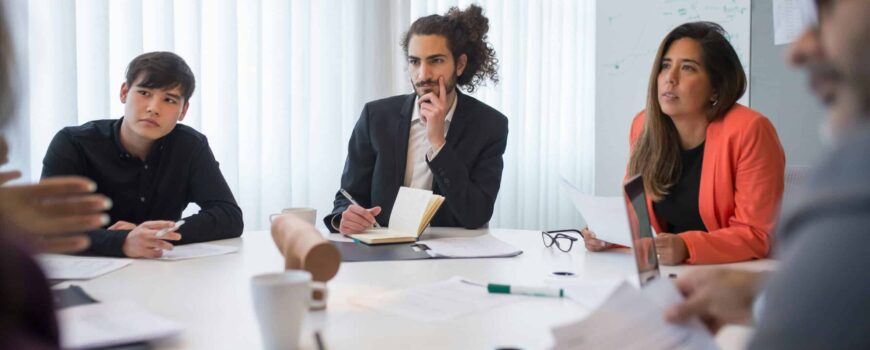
353	201
164	231
522	290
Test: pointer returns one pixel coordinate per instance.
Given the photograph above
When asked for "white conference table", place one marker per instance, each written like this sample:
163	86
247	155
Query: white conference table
211	296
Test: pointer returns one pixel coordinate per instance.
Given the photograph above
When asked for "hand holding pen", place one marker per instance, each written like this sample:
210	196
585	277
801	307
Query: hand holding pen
355	218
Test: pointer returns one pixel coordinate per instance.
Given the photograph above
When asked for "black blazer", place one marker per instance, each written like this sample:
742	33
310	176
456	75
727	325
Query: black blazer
467	170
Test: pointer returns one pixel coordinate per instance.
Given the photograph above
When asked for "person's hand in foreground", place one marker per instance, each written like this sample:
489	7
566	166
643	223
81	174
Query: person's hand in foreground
54	213
716	296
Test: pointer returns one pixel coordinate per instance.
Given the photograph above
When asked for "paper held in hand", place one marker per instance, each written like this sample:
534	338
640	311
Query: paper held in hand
606	216
632	318
412	212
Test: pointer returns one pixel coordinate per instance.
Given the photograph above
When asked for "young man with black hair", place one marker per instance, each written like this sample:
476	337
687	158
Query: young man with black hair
436	138
150	166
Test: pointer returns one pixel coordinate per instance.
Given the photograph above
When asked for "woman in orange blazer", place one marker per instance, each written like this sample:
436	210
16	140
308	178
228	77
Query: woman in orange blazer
713	169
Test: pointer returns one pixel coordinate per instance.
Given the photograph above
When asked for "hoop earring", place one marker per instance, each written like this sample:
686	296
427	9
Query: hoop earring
716	102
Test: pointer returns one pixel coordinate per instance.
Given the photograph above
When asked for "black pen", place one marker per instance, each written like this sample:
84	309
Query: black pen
353	201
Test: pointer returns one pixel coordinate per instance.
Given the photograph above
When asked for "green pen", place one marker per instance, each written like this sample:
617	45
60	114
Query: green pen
522	290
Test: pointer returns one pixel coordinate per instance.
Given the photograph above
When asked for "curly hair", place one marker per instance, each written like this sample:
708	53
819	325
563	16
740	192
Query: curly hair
466	34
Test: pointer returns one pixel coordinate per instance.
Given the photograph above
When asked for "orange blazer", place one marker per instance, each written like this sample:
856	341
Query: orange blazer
742	179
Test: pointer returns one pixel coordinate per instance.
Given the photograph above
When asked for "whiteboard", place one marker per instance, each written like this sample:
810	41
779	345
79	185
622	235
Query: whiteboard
632	30
628	33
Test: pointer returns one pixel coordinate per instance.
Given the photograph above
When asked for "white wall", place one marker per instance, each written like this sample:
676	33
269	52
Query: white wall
781	92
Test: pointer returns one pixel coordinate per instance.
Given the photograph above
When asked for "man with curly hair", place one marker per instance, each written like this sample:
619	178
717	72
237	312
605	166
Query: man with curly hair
436	138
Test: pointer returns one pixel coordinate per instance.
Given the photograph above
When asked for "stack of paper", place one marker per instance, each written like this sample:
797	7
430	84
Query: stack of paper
634	319
484	246
111	323
199	250
67	267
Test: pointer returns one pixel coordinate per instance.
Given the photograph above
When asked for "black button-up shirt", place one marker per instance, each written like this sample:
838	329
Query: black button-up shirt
180	169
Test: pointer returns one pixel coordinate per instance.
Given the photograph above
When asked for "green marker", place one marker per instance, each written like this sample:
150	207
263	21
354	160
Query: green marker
533	291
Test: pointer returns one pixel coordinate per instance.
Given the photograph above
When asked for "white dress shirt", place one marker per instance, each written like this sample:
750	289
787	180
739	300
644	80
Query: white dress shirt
417	172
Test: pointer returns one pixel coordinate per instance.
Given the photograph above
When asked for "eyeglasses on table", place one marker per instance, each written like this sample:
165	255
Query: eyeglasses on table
563	242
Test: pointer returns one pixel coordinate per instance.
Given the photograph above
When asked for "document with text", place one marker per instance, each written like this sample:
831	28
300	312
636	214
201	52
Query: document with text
483	246
111	323
70	267
438	301
634	319
198	250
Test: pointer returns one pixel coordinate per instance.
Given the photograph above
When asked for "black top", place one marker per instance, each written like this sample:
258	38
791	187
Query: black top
679	209
467	170
180	169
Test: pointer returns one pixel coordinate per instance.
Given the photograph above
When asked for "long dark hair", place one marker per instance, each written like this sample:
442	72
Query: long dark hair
466	34
656	153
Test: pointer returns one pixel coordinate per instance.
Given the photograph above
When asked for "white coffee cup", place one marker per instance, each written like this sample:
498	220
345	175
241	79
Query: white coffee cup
307	214
281	301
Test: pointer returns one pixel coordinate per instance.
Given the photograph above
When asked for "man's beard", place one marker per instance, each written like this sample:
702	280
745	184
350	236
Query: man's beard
825	81
449	86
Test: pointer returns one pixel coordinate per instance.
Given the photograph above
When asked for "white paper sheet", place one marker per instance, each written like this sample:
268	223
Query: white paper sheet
198	250
634	319
606	216
790	19
69	267
589	293
483	246
111	323
439	301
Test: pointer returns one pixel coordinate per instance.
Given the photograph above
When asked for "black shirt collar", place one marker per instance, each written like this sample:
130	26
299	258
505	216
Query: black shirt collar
123	153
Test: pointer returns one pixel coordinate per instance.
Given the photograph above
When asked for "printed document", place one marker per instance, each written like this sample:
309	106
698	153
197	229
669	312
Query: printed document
439	301
483	246
198	250
69	267
111	323
634	319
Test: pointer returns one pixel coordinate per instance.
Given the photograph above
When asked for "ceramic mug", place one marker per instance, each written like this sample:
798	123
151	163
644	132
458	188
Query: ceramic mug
281	301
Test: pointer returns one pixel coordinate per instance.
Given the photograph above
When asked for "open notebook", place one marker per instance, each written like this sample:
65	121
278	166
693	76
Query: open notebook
411	213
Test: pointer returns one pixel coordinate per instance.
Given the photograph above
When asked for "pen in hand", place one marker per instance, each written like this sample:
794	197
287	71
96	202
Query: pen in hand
353	201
